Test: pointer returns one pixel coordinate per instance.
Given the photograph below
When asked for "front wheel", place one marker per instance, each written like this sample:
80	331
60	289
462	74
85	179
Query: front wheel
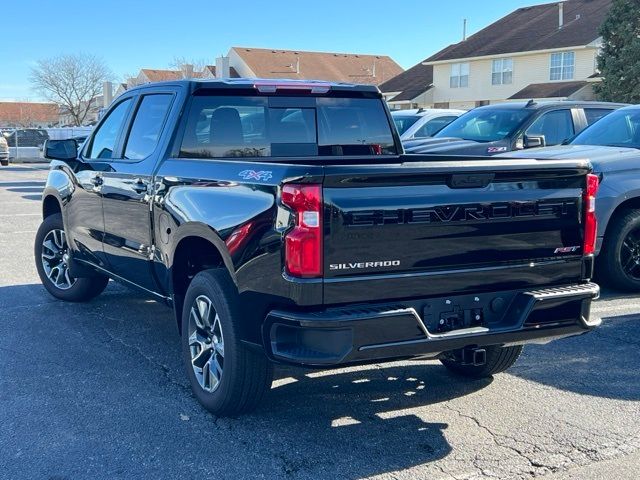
226	377
4	163
498	359
52	262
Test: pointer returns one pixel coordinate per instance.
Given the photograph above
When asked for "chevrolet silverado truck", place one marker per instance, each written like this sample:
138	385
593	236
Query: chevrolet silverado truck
283	223
612	146
513	126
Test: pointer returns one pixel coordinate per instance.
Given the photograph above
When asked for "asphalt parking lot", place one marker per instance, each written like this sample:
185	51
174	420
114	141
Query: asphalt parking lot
97	390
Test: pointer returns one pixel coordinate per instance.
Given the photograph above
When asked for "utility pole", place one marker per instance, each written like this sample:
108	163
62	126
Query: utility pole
464	29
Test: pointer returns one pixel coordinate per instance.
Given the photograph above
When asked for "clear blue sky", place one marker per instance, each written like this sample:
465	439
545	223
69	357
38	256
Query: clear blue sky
133	34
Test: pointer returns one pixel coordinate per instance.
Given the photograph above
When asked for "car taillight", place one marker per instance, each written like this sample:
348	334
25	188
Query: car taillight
303	243
590	222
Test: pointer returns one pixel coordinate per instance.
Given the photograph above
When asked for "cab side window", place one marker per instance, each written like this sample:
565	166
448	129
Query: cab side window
147	126
556	126
105	138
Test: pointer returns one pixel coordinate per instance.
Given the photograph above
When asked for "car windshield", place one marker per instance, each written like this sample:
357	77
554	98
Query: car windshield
618	129
486	125
403	122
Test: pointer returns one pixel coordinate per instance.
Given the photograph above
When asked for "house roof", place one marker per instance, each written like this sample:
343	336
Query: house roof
334	67
161	75
410	83
27	112
513	33
549	90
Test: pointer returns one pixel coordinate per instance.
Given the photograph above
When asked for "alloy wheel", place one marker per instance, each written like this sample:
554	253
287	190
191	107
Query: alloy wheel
55	259
630	254
206	343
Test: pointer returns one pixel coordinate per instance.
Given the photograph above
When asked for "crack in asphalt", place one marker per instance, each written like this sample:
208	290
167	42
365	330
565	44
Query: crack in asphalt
591	454
166	371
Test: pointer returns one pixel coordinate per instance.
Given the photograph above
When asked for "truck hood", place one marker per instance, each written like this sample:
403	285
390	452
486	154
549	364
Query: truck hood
602	158
455	146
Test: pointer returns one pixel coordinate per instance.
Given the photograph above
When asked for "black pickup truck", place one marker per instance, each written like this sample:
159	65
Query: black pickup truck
283	224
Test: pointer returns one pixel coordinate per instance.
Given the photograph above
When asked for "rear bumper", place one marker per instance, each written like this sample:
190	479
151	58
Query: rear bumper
369	333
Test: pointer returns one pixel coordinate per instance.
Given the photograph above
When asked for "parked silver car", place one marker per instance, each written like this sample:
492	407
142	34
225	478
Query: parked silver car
4	151
423	122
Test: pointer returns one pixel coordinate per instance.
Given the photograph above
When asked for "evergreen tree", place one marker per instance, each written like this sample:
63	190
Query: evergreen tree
619	59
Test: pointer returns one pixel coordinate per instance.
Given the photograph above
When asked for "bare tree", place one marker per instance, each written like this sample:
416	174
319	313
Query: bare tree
179	63
72	81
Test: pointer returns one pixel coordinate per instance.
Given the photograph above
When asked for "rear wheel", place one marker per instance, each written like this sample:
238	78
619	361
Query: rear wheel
498	359
4	163
52	263
226	377
619	261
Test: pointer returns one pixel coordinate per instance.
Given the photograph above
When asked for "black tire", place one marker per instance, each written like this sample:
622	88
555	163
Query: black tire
499	359
610	264
245	375
79	289
4	163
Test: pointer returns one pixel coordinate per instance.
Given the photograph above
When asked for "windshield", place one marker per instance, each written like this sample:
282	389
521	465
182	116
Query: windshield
486	125
618	129
403	122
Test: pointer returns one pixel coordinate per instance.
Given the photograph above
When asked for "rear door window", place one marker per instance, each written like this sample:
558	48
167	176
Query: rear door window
595	114
556	126
235	126
147	126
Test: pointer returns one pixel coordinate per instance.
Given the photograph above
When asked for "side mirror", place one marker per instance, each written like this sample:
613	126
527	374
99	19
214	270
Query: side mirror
61	149
534	141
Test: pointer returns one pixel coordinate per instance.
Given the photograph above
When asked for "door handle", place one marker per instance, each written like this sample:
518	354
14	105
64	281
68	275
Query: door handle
140	186
97	180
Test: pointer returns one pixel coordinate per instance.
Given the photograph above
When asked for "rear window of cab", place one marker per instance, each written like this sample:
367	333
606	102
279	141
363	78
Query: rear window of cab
252	126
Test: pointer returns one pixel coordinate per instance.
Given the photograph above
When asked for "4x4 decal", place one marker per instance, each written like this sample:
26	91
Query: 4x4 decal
255	175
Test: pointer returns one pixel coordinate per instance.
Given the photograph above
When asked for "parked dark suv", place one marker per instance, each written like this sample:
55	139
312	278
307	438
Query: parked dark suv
505	127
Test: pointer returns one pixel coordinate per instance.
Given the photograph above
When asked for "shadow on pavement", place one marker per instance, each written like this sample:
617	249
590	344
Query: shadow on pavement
27	190
34	166
122	349
602	363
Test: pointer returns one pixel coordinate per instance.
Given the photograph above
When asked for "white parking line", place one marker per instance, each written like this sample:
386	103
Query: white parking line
19	214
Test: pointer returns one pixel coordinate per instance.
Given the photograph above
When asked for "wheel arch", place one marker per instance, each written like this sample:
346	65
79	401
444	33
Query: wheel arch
50	205
621	208
196	247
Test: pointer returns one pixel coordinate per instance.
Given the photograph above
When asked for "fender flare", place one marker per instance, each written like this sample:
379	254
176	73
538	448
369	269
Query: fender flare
206	232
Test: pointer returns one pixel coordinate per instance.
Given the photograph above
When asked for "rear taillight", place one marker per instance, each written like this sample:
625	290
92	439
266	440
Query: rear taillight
590	222
303	243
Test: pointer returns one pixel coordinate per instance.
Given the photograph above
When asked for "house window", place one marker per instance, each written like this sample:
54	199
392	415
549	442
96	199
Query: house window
562	66
502	71
459	75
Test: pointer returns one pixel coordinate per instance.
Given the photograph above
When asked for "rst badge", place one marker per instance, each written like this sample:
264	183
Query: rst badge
567	249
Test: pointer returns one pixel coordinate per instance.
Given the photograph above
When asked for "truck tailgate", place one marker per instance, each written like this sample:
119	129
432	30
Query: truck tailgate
446	227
